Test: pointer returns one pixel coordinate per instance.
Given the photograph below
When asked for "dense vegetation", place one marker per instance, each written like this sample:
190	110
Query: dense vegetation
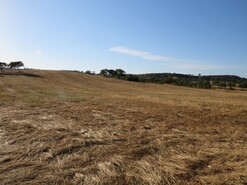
198	81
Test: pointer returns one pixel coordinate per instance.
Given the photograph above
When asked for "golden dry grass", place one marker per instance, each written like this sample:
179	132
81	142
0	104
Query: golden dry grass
72	128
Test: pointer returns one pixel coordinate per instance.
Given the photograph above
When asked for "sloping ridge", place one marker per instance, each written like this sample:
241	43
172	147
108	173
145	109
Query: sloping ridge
68	79
75	81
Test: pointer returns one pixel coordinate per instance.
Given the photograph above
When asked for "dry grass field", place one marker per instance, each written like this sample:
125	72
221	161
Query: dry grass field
72	128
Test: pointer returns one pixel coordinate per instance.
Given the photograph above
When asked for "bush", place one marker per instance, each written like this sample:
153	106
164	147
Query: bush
132	78
243	85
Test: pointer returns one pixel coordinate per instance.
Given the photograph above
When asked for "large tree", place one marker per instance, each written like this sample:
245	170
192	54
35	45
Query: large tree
120	73
112	72
2	65
104	72
16	65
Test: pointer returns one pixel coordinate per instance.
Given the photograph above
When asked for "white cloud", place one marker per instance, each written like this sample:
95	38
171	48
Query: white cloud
38	52
174	62
142	54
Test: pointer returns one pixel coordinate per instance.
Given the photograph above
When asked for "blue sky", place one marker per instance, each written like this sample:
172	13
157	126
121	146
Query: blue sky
139	36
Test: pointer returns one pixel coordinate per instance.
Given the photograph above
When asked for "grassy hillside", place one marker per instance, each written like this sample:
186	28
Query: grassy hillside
71	128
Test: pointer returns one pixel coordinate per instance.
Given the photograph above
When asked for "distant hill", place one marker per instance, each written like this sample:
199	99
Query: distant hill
198	81
205	81
226	78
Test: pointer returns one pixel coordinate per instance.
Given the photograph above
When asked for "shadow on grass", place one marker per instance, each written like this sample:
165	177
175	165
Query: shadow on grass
2	74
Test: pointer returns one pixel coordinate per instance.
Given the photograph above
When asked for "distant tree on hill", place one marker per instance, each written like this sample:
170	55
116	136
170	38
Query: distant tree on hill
169	80
203	84
2	65
90	72
231	85
104	72
112	72
132	78
120	73
243	85
221	84
16	65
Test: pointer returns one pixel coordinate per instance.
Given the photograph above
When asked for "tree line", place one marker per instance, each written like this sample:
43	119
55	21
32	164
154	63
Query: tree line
11	65
196	81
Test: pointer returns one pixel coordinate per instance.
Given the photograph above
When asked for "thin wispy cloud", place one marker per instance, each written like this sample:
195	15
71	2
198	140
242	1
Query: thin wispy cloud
174	62
141	54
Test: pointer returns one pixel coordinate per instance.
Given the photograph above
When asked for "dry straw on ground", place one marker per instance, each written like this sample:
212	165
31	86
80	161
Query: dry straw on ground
72	128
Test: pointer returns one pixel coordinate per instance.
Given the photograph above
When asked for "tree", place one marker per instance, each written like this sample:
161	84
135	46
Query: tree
131	77
169	80
231	85
104	72
88	72
203	84
112	72
120	73
16	65
222	84
243	85
2	65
